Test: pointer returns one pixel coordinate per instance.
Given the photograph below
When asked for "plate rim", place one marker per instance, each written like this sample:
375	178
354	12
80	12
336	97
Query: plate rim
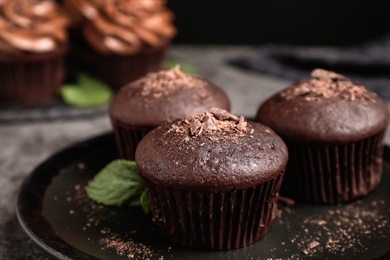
81	146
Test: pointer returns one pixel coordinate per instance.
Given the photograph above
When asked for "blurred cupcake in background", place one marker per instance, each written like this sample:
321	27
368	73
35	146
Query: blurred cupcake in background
123	40
33	43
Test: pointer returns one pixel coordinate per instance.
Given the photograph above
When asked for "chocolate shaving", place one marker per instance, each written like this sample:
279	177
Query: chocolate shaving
216	123
287	201
160	84
311	245
327	84
344	228
221	114
325	74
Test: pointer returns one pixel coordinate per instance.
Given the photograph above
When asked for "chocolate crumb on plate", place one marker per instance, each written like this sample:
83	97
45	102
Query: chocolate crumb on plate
286	200
310	246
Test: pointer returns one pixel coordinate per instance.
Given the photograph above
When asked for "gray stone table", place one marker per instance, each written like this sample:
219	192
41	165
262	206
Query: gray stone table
25	144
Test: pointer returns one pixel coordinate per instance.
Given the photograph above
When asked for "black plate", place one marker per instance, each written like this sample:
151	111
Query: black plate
54	211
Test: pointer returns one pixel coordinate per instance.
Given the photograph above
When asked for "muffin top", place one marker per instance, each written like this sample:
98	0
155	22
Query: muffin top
31	27
122	27
213	151
327	108
165	96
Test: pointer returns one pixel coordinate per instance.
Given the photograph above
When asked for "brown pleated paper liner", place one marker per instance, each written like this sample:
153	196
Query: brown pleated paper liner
333	174
216	221
33	77
127	138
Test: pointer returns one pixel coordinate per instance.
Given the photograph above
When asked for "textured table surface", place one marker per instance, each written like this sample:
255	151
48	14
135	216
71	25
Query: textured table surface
25	145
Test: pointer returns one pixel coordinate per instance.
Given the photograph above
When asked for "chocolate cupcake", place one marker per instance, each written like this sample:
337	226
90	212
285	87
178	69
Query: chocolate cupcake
334	130
157	98
124	39
212	179
33	42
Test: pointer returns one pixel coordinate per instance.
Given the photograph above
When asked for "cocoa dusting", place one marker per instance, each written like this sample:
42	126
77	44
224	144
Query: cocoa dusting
340	230
163	83
325	85
126	247
92	210
81	166
95	215
216	124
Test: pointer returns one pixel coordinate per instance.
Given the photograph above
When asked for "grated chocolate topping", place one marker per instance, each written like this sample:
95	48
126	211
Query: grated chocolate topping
325	84
163	83
126	247
217	124
342	230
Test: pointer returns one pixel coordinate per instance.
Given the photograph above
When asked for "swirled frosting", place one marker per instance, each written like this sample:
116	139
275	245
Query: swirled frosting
122	27
34	26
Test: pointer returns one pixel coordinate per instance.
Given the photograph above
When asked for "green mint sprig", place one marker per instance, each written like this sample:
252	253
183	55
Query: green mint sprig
118	184
185	67
86	92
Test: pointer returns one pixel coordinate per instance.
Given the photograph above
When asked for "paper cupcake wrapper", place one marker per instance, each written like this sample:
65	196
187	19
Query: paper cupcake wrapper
215	221
127	139
121	70
329	175
32	78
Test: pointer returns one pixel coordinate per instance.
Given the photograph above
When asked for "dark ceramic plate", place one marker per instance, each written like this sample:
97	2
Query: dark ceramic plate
54	211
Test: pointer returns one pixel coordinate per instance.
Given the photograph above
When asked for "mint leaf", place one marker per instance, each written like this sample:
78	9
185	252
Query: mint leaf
87	92
185	67
144	201
116	184
84	79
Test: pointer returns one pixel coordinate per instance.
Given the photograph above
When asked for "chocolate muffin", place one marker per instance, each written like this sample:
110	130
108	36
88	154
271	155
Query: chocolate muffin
334	129
33	43
212	179
157	98
121	40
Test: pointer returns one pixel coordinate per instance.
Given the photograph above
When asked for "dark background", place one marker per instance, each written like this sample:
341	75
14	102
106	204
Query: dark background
314	22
